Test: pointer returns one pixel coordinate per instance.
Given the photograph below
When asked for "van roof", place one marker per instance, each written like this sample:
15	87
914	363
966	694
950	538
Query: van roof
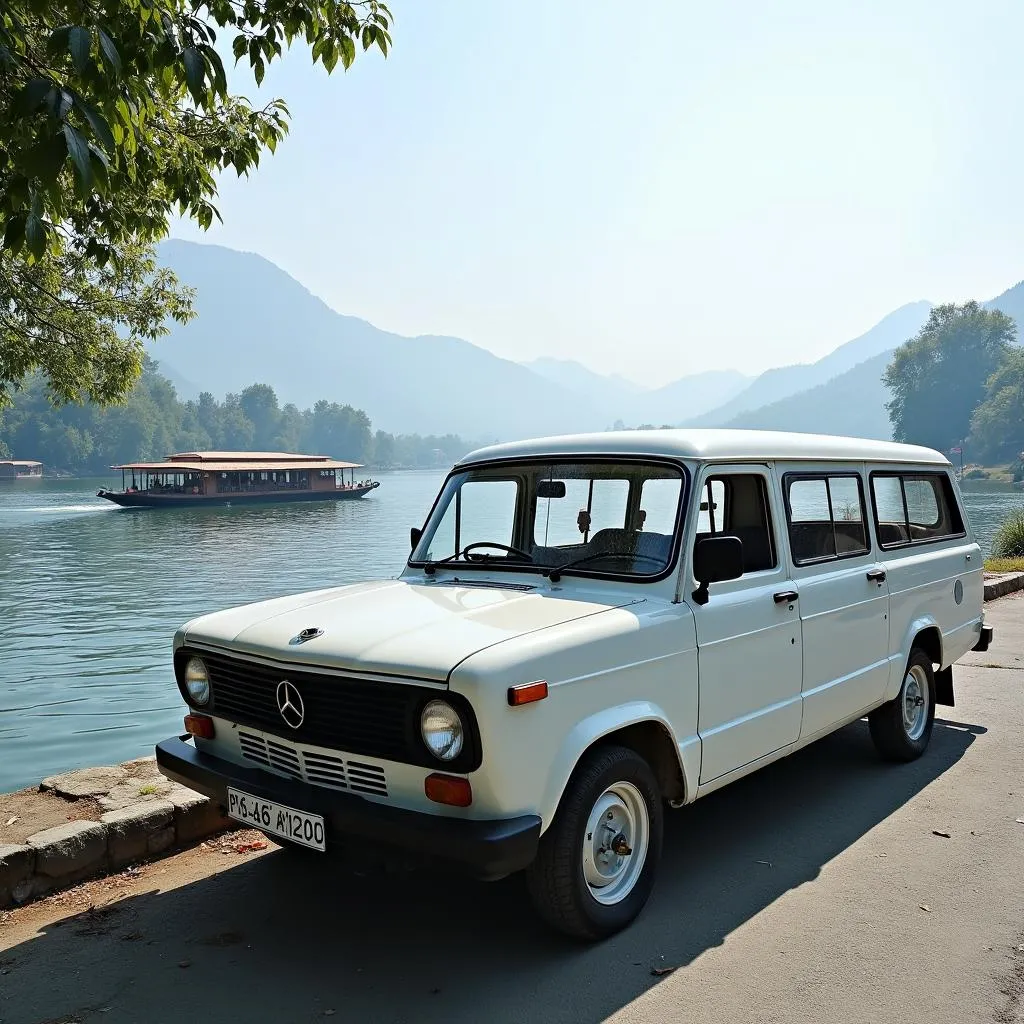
703	445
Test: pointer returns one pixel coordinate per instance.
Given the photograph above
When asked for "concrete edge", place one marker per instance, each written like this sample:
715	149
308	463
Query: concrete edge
78	850
1008	583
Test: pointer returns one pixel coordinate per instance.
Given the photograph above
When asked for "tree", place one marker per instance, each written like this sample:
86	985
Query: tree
259	403
997	427
82	324
114	117
938	378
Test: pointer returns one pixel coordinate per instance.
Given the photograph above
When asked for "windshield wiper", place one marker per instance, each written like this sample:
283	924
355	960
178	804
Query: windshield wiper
522	556
555	572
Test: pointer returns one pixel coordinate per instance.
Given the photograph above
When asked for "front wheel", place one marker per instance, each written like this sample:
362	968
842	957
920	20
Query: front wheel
902	728
595	866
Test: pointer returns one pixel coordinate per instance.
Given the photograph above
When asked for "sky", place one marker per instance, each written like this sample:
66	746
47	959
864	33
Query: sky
654	189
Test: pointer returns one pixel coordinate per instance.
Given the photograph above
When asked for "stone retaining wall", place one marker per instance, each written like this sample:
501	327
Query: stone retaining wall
1001	584
143	815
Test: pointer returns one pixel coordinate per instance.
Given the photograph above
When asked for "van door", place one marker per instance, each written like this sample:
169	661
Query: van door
748	633
844	596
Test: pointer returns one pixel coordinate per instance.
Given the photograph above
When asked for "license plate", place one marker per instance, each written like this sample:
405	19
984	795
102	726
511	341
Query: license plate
286	822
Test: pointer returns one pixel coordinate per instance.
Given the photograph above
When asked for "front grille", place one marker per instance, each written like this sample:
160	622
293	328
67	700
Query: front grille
316	768
368	718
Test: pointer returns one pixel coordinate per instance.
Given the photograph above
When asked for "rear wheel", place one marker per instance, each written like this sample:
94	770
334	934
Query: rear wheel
596	864
902	728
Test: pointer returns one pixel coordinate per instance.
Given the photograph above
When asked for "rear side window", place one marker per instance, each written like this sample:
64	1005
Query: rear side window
914	508
826	517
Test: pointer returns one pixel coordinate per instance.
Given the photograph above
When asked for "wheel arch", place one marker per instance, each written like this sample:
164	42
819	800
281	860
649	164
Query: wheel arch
923	632
641	726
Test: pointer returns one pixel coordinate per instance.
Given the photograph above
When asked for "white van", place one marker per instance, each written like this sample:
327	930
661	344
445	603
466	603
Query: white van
588	629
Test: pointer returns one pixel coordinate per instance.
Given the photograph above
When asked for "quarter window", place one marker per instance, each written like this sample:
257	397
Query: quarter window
914	508
826	517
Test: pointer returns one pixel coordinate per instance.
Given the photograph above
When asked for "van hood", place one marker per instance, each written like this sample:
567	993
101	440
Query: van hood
416	629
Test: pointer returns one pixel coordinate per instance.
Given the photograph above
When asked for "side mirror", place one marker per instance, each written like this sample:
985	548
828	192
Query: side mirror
716	559
414	537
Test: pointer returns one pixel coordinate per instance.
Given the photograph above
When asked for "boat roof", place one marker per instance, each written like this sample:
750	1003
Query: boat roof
705	445
233	462
19	462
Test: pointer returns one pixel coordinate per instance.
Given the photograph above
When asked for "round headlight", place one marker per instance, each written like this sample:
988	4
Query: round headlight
197	681
442	731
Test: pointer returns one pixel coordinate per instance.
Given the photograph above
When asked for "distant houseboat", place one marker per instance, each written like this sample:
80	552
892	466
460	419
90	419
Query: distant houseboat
20	469
235	478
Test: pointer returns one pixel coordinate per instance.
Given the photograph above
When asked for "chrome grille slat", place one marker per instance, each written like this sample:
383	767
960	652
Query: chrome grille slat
316	768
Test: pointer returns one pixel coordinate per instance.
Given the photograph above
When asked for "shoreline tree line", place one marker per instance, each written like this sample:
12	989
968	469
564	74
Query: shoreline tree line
86	439
959	383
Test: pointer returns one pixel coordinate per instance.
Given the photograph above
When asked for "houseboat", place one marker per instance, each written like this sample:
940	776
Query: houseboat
20	469
235	478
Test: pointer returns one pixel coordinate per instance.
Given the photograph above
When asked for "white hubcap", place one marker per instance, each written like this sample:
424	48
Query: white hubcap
915	702
615	843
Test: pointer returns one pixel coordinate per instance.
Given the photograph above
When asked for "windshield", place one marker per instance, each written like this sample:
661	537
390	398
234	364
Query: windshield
593	517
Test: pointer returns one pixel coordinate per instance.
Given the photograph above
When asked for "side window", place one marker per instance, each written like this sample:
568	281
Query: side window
737	505
913	508
826	517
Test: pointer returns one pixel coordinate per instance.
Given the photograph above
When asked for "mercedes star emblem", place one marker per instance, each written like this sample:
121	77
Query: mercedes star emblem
289	703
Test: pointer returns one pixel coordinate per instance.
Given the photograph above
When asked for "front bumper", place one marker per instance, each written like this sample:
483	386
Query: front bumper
483	849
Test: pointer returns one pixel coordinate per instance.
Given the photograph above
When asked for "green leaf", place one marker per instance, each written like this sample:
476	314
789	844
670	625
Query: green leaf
46	158
59	102
32	95
35	236
348	52
78	150
258	70
109	51
80	48
220	81
58	41
238	47
99	126
14	236
195	74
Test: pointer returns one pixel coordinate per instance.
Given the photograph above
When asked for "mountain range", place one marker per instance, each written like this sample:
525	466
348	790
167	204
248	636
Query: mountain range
255	323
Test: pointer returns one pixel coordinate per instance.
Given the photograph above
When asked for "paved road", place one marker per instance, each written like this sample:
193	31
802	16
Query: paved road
796	895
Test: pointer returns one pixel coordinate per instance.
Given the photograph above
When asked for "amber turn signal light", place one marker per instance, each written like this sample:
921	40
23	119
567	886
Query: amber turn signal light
527	693
199	725
448	789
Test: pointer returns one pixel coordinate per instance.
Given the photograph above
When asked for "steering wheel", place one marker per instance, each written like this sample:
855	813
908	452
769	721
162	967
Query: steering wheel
494	544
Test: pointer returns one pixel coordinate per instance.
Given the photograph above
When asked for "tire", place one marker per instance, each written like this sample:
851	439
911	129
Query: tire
579	887
902	727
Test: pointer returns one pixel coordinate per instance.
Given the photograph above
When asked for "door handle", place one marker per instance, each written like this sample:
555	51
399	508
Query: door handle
785	596
877	575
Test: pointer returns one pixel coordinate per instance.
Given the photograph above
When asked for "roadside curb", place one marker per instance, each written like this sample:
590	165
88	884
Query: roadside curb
1000	584
162	818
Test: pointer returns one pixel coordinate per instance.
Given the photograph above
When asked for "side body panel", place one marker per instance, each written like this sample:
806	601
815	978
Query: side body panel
933	584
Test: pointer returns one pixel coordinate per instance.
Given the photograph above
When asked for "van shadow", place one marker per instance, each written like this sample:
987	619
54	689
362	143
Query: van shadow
292	938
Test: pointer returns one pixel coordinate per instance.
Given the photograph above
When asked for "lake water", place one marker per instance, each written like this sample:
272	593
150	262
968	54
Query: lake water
90	597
